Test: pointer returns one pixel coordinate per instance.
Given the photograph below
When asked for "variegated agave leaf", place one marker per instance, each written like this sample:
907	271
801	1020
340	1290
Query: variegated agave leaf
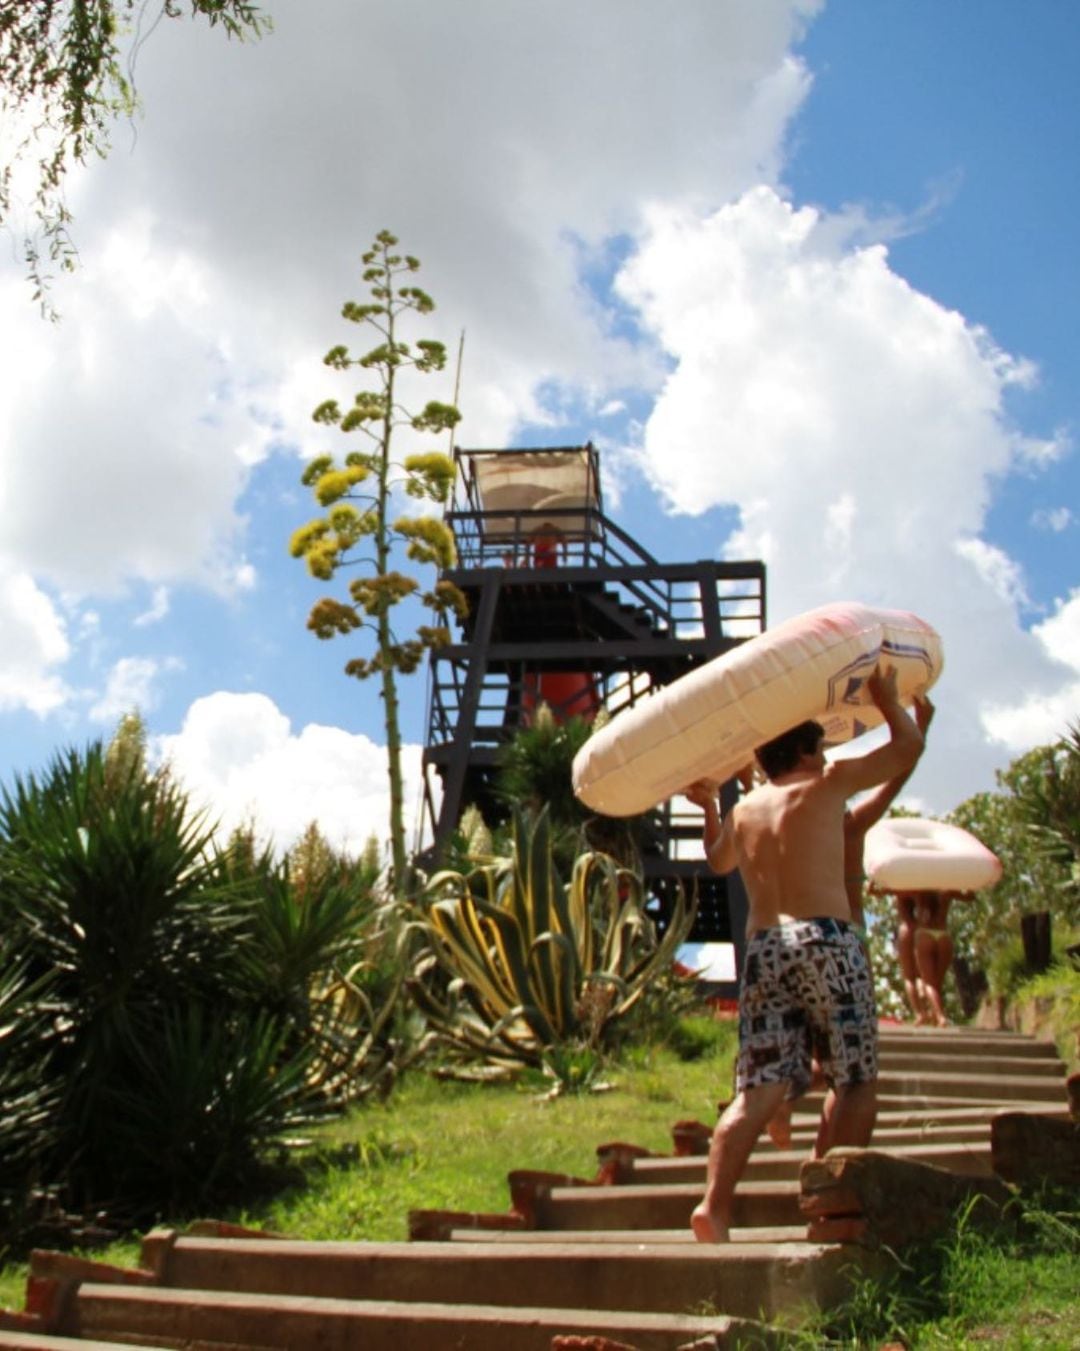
539	963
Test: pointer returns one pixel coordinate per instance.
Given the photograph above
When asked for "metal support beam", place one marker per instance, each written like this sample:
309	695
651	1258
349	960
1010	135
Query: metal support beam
454	782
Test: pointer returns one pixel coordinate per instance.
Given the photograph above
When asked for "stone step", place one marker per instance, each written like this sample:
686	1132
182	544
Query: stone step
969	1158
771	1234
233	1321
753	1280
894	1111
898	1110
961	1042
39	1341
645	1207
989	1066
894	1137
948	1085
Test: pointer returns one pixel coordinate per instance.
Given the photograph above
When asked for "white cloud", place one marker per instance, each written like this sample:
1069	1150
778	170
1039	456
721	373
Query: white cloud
34	641
1056	519
547	139
133	473
1042	717
1043	451
157	609
238	754
859	428
994	566
1060	634
131	688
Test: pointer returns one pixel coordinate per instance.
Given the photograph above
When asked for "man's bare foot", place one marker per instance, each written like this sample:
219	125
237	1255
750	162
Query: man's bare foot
708	1228
779	1126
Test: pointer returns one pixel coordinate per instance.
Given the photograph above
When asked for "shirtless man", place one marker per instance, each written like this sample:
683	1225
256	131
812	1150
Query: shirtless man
858	819
806	984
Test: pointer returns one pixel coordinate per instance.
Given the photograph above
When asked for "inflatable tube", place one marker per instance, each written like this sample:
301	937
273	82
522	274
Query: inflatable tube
908	853
707	723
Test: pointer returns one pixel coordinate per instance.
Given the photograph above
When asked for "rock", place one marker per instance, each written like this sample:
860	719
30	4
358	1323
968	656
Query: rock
860	1195
691	1138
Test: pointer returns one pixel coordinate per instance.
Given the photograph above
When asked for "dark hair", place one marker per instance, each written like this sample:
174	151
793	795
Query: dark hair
783	753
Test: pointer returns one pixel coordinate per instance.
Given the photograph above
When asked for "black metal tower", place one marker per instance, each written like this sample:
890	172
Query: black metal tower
565	607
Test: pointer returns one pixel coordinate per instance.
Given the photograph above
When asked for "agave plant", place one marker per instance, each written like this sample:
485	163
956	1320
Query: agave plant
529	962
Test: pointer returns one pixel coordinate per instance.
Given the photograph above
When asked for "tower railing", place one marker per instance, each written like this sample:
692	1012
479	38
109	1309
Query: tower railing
592	550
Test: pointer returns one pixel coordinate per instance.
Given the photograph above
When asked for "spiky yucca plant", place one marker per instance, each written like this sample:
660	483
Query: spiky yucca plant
530	962
168	1009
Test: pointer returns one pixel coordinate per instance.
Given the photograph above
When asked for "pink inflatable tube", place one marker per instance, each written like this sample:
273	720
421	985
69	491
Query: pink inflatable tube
908	853
707	724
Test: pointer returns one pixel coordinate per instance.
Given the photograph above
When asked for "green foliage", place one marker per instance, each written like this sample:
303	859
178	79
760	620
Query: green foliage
167	1008
1008	969
63	79
535	773
1053	997
573	1067
1011	1284
369	478
532	962
1032	823
27	1100
448	1142
881	921
699	1036
534	767
1051	803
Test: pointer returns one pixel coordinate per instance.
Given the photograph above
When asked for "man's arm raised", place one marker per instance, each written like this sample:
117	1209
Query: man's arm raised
719	835
871	809
900	753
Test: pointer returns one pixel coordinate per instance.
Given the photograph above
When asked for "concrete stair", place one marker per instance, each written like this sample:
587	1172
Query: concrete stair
607	1257
29	1341
191	1320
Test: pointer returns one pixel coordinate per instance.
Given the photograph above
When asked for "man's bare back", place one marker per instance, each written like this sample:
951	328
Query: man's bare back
789	849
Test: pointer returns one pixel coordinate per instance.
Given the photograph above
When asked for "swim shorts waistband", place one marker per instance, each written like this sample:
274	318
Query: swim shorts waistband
824	926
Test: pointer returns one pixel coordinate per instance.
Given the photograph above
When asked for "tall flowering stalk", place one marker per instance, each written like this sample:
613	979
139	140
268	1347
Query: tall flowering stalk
358	527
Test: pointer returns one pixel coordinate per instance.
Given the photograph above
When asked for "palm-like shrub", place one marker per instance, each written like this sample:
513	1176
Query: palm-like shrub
323	958
177	1001
535	772
27	1101
1051	805
529	962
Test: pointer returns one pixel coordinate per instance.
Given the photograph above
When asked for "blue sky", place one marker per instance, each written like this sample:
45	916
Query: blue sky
804	271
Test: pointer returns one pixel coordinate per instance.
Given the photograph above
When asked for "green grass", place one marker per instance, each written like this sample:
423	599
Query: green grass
1012	1287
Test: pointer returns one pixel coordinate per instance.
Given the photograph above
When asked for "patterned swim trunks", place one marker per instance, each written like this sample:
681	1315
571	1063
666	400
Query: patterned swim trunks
806	992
